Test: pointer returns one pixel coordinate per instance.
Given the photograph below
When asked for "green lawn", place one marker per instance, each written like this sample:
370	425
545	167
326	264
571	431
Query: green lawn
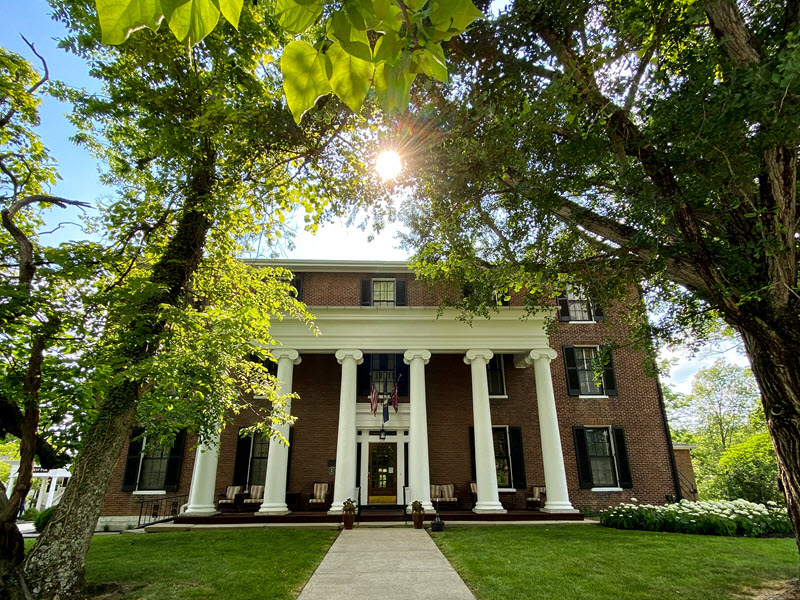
229	565
573	562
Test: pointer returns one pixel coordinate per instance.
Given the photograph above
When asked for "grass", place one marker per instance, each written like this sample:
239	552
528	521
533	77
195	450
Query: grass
232	564
575	562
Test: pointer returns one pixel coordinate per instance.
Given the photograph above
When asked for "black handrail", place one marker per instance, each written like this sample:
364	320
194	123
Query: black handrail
160	510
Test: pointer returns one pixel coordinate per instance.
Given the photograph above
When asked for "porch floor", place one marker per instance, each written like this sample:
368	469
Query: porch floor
372	516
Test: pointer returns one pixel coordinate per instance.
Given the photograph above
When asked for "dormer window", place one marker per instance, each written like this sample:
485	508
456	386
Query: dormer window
574	306
383	292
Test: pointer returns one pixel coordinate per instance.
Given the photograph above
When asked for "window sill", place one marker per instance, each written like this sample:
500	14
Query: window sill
150	493
607	489
499	397
506	490
581	322
592	397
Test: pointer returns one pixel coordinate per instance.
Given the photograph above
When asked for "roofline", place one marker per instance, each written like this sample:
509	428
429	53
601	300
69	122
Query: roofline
333	266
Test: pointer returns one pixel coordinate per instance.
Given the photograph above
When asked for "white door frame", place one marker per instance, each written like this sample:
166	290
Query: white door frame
398	440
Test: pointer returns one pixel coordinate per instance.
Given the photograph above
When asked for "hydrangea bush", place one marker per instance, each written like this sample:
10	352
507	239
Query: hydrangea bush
739	517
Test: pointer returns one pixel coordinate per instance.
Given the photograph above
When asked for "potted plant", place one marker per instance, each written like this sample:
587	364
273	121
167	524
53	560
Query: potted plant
348	513
417	514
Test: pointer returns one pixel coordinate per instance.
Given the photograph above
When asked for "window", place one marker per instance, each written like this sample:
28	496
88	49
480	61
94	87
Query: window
509	457
496	376
383	292
574	306
150	467
579	362
250	464
602	456
382	372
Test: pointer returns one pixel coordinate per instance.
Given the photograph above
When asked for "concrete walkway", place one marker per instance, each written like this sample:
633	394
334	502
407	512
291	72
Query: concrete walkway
385	564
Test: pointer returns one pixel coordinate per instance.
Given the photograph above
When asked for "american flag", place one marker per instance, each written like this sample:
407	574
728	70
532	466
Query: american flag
373	398
393	397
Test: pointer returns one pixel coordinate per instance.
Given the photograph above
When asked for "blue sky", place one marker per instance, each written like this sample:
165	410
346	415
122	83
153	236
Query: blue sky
80	173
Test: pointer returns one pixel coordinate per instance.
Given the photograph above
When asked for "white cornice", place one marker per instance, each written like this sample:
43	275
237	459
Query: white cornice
333	266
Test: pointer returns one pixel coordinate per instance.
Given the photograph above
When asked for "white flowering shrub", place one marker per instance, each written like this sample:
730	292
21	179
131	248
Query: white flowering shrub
738	517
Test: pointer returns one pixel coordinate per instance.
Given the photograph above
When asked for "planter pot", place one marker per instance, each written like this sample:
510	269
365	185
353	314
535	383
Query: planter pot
418	517
348	518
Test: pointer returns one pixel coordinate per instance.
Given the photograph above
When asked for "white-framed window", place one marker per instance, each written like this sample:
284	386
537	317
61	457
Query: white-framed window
495	374
502	457
602	456
576	307
383	293
582	379
383	372
152	467
259	453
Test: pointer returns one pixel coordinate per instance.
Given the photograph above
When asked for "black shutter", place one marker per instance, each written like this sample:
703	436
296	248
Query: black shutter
131	476
358	466
571	367
563	308
609	377
582	454
288	458
404	372
400	298
623	464
366	292
472	450
597	310
242	460
297	282
363	374
517	458
172	478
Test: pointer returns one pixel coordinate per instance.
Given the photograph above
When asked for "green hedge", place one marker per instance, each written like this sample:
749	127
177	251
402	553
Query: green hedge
739	517
43	518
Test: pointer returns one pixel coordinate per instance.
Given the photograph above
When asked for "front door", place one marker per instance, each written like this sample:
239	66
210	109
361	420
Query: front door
382	474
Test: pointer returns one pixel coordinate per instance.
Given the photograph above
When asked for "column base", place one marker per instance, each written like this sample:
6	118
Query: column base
559	507
426	506
278	508
336	508
489	508
201	510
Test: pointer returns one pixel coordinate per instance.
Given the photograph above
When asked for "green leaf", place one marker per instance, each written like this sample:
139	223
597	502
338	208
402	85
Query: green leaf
388	48
393	87
350	78
433	63
296	18
354	12
461	13
230	9
118	18
306	74
190	20
353	41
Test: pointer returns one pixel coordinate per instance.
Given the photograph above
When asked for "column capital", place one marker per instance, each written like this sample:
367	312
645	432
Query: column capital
480	354
410	355
522	361
290	353
353	353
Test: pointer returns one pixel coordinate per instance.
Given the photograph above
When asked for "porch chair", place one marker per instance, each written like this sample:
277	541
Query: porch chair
227	501
253	498
320	499
536	497
444	496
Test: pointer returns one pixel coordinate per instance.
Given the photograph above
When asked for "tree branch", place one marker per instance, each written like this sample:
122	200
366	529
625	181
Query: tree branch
731	29
4	120
11	419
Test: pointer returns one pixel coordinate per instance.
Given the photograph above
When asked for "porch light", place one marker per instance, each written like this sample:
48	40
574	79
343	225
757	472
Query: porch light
382	434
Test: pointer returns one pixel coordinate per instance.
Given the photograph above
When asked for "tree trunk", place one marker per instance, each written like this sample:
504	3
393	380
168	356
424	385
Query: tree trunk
777	369
56	565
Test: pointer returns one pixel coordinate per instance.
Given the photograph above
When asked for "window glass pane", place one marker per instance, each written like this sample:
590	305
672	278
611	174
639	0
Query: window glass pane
382	293
383	372
598	442
258	460
501	456
580	309
584	360
154	468
494	373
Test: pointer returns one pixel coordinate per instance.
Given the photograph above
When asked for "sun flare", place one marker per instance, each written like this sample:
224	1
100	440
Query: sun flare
388	164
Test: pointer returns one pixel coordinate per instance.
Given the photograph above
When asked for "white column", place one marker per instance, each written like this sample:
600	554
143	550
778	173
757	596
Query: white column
485	469
204	479
418	468
555	477
278	458
345	481
42	497
51	492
